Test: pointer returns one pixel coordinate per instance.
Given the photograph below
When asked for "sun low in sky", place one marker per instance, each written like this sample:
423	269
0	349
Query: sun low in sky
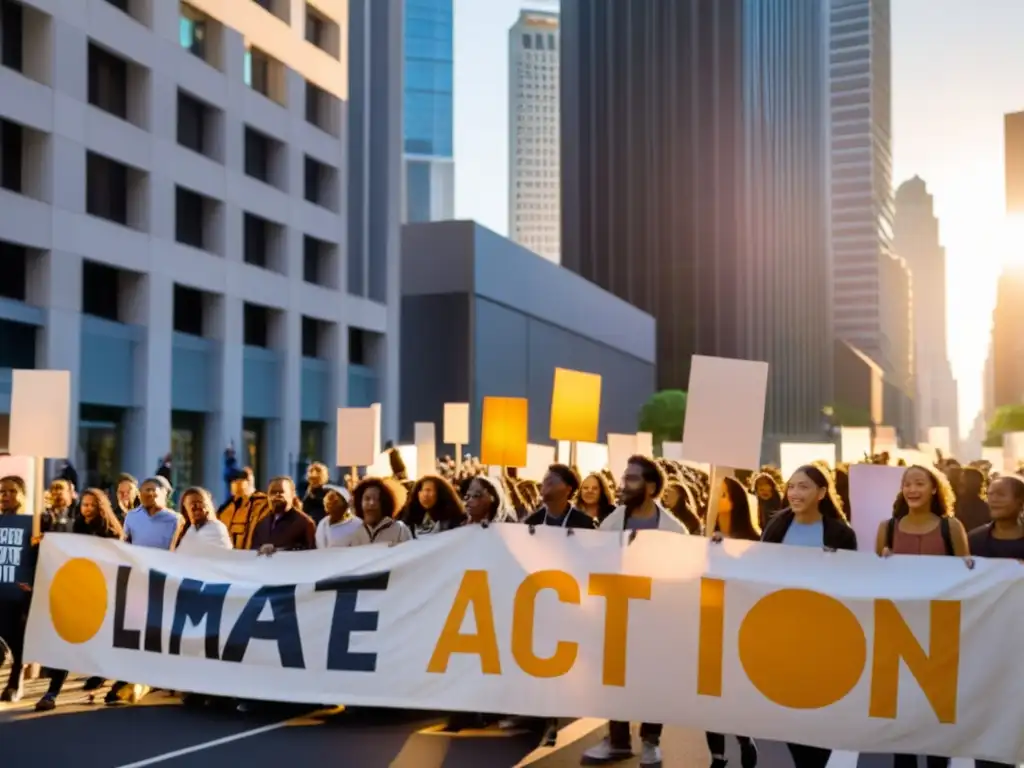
958	67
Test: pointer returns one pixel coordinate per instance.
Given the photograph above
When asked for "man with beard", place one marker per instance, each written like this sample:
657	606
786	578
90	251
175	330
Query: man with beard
286	527
642	484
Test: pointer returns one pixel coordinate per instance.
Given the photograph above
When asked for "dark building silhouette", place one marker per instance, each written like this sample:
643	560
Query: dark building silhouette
694	181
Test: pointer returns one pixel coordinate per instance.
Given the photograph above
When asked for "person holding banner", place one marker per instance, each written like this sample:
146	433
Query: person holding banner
14	602
486	502
287	527
642	485
96	518
922	523
433	506
202	528
339	524
560	486
1004	536
814	518
375	504
735	520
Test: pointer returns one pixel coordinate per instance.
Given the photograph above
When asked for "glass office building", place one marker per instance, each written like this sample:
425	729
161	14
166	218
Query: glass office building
694	143
429	167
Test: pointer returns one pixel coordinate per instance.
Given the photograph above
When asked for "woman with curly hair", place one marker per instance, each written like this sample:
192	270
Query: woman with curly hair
922	521
375	503
433	506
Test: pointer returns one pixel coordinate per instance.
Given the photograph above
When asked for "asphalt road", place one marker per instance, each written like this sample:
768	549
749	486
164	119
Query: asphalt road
159	731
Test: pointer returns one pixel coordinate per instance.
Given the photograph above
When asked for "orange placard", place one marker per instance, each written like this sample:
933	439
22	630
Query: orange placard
504	431
575	406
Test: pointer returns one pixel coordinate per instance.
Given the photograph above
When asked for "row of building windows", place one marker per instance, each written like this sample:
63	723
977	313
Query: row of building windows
539	42
107	293
117	193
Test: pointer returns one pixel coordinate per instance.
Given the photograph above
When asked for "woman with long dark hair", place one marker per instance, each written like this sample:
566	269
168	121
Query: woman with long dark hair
433	506
814	518
596	497
735	520
96	517
1004	535
679	501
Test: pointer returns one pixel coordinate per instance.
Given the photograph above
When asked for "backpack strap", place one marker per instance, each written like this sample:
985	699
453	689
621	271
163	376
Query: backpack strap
890	532
947	537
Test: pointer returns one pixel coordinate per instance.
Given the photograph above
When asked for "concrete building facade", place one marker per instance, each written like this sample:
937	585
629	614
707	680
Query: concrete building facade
483	316
428	111
195	222
694	183
534	176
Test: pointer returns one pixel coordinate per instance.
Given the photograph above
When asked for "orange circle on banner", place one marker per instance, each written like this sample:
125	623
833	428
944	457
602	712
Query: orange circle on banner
78	600
802	649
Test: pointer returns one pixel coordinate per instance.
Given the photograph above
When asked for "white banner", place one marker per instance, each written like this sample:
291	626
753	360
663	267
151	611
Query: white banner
911	655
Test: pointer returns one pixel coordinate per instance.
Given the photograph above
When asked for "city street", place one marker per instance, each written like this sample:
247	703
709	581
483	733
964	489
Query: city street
160	731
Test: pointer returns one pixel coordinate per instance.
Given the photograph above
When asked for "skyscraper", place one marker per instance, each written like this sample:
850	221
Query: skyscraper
917	242
1007	352
694	182
861	173
429	157
534	219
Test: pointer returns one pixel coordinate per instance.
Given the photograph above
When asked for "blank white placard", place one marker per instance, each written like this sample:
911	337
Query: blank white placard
538	459
357	435
620	448
456	423
873	491
672	451
725	412
854	443
795	455
40	414
425	439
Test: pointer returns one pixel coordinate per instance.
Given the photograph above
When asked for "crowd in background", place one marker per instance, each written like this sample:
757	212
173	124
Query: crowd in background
945	509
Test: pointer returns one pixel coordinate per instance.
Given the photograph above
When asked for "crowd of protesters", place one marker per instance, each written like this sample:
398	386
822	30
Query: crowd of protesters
945	509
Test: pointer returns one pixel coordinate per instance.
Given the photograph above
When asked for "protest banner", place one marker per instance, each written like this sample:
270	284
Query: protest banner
835	649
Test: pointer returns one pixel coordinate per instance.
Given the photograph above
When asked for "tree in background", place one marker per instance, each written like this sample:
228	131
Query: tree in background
663	414
1007	418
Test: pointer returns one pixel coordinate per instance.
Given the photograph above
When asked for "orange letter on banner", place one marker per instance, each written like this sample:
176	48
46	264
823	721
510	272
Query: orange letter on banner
827	648
474	591
617	590
937	673
523	619
711	637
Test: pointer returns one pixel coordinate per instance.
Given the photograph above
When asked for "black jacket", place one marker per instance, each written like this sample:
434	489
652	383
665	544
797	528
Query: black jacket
575	519
837	534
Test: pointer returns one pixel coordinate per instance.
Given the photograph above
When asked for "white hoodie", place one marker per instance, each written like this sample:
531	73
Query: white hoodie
616	521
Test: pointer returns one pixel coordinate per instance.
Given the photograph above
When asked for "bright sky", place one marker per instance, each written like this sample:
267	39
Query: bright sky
958	66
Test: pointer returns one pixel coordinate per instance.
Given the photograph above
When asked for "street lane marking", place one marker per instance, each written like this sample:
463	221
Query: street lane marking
573	732
232	738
